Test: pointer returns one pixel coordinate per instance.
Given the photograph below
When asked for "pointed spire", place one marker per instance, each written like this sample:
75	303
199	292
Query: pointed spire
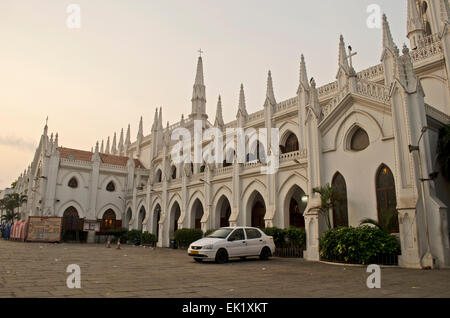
102	149
388	41
120	148
107	146
414	22
114	145
160	122
199	80
242	109
155	121
343	61
55	143
219	117
128	138
270	96
45	127
199	93
141	129
96	147
182	121
303	74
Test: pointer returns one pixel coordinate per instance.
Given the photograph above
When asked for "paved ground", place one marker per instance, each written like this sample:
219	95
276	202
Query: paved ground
39	270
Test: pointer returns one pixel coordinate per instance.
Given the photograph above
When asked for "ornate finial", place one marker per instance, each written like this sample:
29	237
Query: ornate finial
200	52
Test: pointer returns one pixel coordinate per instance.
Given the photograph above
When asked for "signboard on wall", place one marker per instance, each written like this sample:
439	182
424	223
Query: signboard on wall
91	226
44	229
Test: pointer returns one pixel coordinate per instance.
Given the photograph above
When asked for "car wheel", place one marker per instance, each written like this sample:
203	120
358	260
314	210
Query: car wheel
265	254
221	256
198	260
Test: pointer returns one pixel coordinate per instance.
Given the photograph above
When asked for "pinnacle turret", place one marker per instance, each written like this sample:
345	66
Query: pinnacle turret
303	79
199	93
219	117
388	41
270	96
242	109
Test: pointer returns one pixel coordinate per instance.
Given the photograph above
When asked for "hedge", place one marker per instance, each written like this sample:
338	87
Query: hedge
360	245
184	237
291	237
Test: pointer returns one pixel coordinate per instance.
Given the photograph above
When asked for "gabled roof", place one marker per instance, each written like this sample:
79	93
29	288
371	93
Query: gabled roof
82	155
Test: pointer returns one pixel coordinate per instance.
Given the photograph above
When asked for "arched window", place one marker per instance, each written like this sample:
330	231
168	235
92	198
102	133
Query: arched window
202	168
158	176
359	140
340	209
174	172
291	144
386	199
108	221
424	7
73	183
111	187
229	158
257	153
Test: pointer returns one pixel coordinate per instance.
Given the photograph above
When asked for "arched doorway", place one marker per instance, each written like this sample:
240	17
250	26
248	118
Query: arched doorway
197	214
294	207
156	219
223	212
175	213
141	218
258	210
386	199
340	210
108	222
72	225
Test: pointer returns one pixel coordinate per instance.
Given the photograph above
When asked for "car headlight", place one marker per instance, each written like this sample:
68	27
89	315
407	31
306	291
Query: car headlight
208	247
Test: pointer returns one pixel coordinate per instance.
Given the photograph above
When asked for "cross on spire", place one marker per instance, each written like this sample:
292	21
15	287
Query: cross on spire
200	52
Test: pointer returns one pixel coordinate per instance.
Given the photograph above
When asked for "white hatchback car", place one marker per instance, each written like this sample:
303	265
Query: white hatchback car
230	242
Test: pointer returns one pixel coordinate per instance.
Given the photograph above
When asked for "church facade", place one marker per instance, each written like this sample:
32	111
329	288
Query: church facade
371	134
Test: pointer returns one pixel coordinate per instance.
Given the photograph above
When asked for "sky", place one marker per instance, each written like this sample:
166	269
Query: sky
131	56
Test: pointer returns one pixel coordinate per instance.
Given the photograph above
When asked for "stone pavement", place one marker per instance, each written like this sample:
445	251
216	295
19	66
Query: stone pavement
39	270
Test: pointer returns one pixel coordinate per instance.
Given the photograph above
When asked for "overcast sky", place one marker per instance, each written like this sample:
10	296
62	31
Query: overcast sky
130	56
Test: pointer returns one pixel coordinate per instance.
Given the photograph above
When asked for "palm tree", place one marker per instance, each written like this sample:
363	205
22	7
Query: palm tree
328	198
443	151
10	217
10	203
384	224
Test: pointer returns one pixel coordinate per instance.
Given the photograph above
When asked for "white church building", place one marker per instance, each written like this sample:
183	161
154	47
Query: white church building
372	134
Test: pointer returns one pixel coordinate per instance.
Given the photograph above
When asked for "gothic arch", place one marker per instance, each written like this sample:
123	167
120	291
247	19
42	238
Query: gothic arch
118	185
281	219
223	190
106	207
196	195
252	199
286	128
64	180
343	128
254	185
76	205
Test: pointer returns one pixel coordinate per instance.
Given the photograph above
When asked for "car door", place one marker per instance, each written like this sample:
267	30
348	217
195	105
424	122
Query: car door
236	244
254	241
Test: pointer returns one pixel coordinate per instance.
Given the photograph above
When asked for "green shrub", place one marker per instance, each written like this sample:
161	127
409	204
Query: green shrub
296	237
360	245
279	235
149	238
184	237
134	236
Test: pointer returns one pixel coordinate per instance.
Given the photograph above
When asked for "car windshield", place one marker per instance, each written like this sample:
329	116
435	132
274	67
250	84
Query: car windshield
220	233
